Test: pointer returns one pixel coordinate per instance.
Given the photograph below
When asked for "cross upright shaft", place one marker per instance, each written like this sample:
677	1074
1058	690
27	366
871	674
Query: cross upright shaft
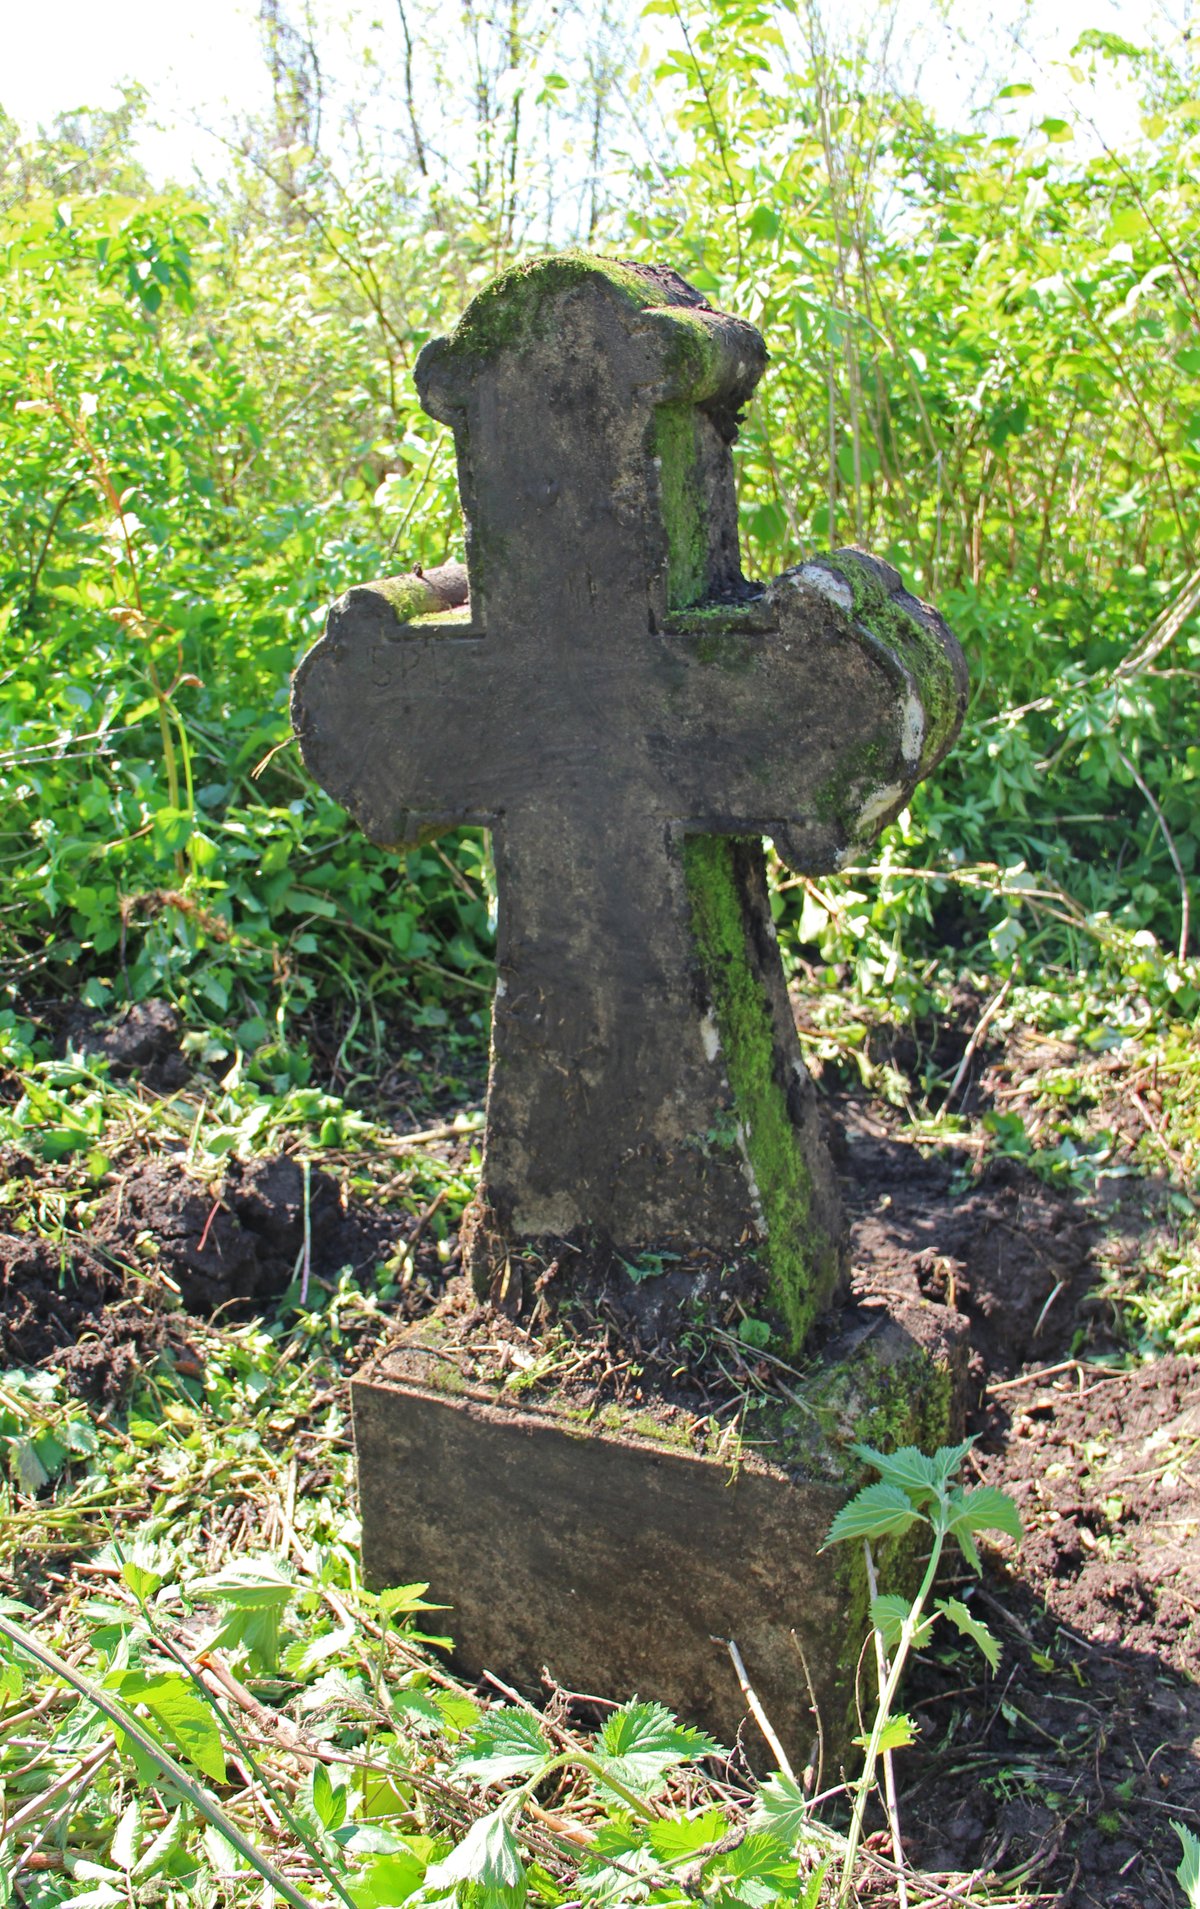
630	717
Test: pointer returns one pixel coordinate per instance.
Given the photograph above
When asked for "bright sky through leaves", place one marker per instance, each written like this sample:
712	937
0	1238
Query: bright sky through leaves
203	68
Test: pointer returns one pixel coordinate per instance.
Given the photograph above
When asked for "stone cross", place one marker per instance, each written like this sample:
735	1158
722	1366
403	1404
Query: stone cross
629	717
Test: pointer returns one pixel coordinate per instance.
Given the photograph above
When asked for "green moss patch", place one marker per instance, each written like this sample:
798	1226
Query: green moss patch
801	1260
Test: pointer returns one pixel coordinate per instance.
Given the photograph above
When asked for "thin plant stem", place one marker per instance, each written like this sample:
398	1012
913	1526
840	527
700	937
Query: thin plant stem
887	1698
124	1720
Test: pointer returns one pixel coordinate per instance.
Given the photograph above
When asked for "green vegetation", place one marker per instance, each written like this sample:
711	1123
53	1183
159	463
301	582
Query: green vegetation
802	1260
914	1489
985	366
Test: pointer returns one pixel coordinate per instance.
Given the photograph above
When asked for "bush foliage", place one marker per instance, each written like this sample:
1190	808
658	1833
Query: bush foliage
985	365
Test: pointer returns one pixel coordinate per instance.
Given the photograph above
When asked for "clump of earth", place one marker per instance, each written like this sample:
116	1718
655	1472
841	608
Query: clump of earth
161	1246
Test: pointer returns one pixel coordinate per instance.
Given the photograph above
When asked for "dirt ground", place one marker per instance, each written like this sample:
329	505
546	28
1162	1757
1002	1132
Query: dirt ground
1062	1771
1068	1764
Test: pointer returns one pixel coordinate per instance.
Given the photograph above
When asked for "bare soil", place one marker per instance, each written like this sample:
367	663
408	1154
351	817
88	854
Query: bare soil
1063	1770
160	1245
1068	1764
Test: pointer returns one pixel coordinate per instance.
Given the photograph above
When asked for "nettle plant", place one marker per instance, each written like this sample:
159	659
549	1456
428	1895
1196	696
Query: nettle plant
640	1853
914	1489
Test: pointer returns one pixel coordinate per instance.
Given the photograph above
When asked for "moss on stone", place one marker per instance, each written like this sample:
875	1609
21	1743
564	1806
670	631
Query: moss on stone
410	597
801	1260
869	769
890	621
683	503
516	305
751	618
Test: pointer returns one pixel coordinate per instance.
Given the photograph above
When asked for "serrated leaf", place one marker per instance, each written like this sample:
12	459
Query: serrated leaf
103	1896
782	1808
677	1838
406	1597
876	1512
250	1584
948	1458
416	1703
504	1743
124	1846
985	1509
971	1627
488	1860
141	1582
329	1805
640	1742
897	1733
1188	1873
458	1713
30	1472
156	1855
225	1859
970	1551
254	1630
909	1469
888	1615
188	1724
301	1658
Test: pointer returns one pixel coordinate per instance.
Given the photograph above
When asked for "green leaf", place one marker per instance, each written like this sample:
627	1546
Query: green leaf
458	1712
257	1591
250	1584
329	1805
188	1724
782	1808
642	1741
761	1868
908	1469
985	1509
156	1855
677	1838
225	1859
505	1743
301	1658
488	1860
897	1733
31	1474
388	1881
126	1837
1188	1873
971	1627
887	1615
876	1512
142	1582
406	1597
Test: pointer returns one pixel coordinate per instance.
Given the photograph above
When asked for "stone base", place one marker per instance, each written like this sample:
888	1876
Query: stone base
616	1551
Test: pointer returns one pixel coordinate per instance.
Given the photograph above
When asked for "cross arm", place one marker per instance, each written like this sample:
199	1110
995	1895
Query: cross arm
839	691
400	669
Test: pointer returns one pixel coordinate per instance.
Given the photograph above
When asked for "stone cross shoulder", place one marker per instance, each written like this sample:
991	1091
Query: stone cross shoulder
630	717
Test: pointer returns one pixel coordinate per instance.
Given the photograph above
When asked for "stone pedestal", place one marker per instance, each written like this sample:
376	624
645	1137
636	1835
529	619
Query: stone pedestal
613	1549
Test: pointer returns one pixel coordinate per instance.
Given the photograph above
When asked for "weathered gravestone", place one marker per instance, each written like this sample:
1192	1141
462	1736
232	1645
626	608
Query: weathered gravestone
630	717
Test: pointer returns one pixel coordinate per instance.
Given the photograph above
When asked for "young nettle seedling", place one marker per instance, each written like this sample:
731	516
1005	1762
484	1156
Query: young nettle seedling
915	1489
